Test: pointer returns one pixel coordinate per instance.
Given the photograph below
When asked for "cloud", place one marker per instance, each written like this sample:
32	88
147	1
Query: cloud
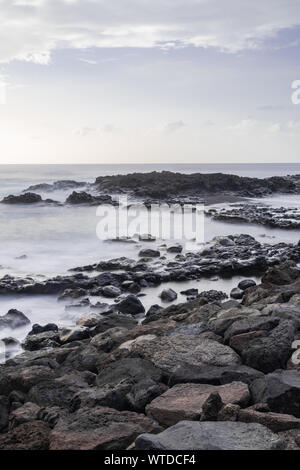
174	126
30	30
245	126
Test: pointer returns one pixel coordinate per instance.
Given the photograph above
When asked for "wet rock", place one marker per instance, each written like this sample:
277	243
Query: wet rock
99	428
131	305
41	340
14	319
90	319
149	253
154	309
36	328
147	238
114	320
168	295
185	401
192	291
72	294
77	333
280	390
83	197
111	291
27	198
246	283
175	249
191	435
237	293
28	436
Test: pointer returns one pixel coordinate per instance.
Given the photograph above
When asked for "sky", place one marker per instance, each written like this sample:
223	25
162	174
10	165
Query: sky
154	81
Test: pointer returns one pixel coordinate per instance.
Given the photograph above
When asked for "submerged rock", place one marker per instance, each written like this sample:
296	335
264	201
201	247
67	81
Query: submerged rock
14	319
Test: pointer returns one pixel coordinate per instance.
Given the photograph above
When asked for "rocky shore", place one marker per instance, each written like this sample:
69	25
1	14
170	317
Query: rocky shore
213	372
210	373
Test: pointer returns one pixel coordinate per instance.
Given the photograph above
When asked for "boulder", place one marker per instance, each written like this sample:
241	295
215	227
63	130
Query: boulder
187	373
28	436
24	414
36	328
168	352
131	305
185	401
280	390
4	412
237	293
273	351
77	333
246	283
250	324
26	198
208	435
111	291
99	428
109	339
14	319
115	320
168	295
175	249
149	253
275	421
89	320
41	340
154	309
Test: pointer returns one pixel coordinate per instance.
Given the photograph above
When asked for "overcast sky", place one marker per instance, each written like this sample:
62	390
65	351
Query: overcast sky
109	81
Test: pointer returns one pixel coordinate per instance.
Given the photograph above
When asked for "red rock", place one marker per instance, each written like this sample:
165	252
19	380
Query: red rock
184	401
27	436
239	342
274	421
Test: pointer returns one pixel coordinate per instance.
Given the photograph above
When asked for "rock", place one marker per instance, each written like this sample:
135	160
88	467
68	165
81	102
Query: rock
22	378
229	412
147	238
154	309
249	324
36	328
4	412
149	253
89	320
211	407
168	295
131	305
246	283
115	320
42	340
225	241
109	339
190	292
14	319
275	421
280	390
236	293
191	435
58	391
72	293
24	414
240	342
99	428
213	375
273	351
169	352
185	401
28	436
175	249
111	291
27	198
77	333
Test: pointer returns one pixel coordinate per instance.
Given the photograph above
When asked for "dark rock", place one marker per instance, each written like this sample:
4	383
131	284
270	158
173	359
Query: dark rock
154	309
36	328
246	283
27	198
280	390
24	414
111	291
237	293
67	335
99	428
28	436
4	412
149	253
131	305
191	435
175	249
211	407
41	340
14	319
168	295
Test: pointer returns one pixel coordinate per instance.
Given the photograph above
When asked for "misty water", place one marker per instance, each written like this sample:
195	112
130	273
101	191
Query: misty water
42	241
